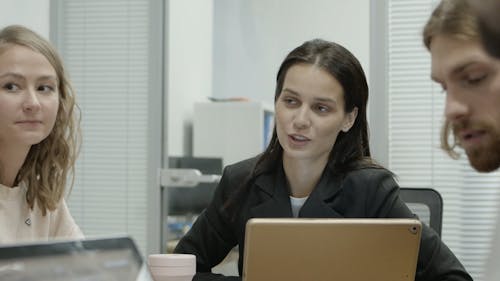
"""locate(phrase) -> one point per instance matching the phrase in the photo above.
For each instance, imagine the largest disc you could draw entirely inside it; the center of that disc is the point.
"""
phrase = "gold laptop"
(331, 249)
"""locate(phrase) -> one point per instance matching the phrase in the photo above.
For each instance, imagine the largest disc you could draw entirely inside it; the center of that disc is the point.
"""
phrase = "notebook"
(99, 259)
(331, 249)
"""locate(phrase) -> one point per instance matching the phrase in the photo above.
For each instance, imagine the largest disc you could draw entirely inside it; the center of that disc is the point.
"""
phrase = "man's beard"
(484, 158)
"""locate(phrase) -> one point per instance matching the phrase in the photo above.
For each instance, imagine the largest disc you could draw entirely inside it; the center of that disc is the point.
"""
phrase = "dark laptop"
(90, 260)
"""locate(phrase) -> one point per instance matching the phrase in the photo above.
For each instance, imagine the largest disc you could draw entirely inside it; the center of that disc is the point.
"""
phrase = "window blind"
(105, 46)
(416, 104)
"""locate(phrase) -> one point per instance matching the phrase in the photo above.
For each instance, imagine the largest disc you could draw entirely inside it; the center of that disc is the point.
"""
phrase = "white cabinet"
(233, 131)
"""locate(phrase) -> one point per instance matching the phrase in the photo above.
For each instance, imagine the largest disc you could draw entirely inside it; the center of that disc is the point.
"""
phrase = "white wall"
(189, 67)
(228, 48)
(33, 14)
(189, 61)
(252, 37)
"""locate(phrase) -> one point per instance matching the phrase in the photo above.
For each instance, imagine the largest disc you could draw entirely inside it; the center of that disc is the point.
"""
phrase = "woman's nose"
(31, 101)
(302, 118)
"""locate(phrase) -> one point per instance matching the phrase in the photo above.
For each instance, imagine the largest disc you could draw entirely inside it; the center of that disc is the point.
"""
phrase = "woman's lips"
(29, 123)
(298, 140)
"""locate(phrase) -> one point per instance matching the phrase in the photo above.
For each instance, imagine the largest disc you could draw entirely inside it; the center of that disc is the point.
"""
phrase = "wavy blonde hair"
(49, 163)
(455, 18)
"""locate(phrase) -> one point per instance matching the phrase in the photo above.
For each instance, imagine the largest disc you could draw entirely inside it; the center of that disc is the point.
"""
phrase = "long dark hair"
(351, 149)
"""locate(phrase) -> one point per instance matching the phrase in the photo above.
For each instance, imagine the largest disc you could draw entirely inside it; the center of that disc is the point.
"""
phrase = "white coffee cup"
(172, 267)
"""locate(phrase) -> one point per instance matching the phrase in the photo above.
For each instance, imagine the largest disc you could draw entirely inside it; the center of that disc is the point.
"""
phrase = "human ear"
(350, 119)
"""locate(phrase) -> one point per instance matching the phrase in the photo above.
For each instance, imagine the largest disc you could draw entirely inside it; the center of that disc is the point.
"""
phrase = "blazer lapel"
(321, 202)
(275, 202)
(275, 198)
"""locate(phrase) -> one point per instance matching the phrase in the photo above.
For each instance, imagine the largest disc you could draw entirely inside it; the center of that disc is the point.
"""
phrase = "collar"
(276, 197)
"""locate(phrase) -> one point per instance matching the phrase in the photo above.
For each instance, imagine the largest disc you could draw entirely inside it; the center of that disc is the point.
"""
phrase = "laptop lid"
(331, 249)
(98, 259)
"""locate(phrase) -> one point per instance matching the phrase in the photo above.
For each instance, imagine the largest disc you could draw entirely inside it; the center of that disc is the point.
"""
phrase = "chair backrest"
(427, 204)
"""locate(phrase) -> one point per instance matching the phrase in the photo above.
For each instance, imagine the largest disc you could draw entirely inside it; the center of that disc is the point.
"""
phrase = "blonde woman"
(39, 133)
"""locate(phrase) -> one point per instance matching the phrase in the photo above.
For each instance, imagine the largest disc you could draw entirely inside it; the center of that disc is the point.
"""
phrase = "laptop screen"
(99, 259)
(331, 249)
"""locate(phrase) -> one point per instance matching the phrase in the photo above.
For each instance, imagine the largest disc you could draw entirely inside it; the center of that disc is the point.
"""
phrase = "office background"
(139, 66)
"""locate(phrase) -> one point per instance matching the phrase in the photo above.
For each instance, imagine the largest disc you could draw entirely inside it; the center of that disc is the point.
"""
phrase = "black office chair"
(427, 204)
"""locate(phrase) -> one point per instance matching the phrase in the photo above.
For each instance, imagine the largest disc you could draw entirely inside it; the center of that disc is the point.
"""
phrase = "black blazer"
(363, 193)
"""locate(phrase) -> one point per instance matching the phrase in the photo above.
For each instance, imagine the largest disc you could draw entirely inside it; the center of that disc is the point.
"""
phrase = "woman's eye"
(290, 101)
(11, 87)
(322, 108)
(45, 88)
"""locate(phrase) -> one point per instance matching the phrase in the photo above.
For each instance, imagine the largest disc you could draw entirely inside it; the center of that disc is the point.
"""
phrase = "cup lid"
(172, 260)
(172, 270)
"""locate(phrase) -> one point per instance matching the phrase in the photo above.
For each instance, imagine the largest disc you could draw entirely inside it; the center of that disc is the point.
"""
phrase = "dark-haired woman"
(317, 165)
